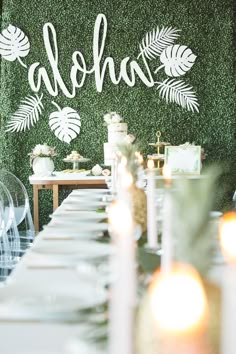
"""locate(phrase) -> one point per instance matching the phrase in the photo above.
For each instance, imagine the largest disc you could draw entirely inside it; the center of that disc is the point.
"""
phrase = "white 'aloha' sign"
(175, 59)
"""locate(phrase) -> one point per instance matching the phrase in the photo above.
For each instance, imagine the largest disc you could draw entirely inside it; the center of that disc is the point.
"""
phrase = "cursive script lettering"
(129, 69)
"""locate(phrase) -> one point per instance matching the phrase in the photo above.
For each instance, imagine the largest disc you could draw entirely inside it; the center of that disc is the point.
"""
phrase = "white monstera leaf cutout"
(177, 60)
(65, 123)
(14, 44)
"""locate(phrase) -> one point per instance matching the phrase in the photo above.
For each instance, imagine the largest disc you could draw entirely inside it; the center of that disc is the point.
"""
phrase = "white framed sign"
(183, 159)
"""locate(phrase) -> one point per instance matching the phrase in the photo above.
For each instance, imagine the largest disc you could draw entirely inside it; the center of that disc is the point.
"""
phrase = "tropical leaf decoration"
(65, 123)
(14, 44)
(177, 60)
(155, 41)
(27, 114)
(177, 91)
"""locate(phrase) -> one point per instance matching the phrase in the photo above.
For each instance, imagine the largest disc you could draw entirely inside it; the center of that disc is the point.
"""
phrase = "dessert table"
(61, 181)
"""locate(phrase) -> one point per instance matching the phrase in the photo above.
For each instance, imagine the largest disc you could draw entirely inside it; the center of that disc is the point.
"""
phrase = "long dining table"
(42, 302)
(27, 323)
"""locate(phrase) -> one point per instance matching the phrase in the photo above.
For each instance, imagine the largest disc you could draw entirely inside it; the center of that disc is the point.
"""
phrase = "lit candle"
(140, 183)
(139, 157)
(180, 312)
(124, 180)
(114, 174)
(151, 207)
(167, 242)
(123, 290)
(228, 245)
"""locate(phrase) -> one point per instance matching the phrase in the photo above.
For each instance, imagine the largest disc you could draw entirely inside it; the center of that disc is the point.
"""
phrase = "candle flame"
(126, 180)
(139, 157)
(227, 231)
(178, 301)
(150, 164)
(123, 161)
(120, 217)
(166, 172)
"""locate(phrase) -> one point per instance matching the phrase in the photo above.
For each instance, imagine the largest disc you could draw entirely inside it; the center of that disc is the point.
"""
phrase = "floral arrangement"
(129, 139)
(112, 117)
(41, 150)
(203, 154)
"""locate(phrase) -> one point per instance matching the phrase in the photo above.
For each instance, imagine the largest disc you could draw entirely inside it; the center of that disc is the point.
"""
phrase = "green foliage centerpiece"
(192, 202)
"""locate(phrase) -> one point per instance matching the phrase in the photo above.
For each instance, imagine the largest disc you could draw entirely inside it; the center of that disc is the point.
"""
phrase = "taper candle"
(123, 289)
(167, 242)
(227, 230)
(151, 207)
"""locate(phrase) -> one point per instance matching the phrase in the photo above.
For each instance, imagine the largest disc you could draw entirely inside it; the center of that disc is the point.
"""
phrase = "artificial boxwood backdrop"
(207, 27)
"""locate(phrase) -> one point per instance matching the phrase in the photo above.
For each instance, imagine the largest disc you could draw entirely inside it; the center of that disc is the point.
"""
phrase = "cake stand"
(76, 162)
(158, 145)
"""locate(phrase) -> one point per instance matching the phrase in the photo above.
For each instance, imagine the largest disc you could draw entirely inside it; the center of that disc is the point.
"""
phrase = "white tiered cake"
(117, 132)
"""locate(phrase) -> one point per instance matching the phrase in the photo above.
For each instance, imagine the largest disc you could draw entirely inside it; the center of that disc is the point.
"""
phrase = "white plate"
(77, 249)
(82, 159)
(77, 227)
(80, 216)
(15, 301)
(61, 235)
(68, 218)
(89, 191)
(86, 202)
(90, 198)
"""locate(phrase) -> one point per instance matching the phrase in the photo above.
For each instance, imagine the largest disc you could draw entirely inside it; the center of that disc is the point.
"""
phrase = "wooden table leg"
(36, 207)
(55, 196)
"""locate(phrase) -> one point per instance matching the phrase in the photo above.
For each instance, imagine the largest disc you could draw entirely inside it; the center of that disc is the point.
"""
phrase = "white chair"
(21, 205)
(9, 236)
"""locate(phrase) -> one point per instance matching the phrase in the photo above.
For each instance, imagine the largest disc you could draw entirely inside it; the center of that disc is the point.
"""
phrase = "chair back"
(20, 200)
(9, 236)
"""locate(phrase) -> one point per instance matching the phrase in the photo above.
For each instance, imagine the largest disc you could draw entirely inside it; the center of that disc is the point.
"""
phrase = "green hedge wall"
(207, 28)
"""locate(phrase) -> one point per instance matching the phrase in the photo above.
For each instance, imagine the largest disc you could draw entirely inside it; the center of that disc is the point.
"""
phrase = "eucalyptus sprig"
(128, 150)
(192, 203)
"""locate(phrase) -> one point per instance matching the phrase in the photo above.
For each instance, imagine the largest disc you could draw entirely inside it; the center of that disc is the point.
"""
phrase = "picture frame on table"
(183, 159)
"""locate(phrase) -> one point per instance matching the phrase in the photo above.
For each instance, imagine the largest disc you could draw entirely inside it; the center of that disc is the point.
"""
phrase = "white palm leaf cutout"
(155, 41)
(27, 114)
(177, 60)
(178, 92)
(65, 123)
(14, 44)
